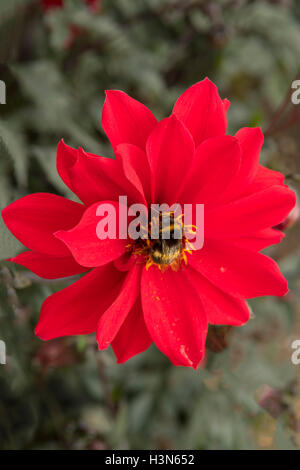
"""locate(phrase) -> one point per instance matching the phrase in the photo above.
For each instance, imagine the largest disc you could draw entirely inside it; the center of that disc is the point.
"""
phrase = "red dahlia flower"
(185, 158)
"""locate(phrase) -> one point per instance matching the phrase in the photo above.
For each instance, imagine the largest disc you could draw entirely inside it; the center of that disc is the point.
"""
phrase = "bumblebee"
(166, 251)
(165, 246)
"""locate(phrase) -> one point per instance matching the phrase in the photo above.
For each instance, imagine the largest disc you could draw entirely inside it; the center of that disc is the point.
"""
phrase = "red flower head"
(135, 292)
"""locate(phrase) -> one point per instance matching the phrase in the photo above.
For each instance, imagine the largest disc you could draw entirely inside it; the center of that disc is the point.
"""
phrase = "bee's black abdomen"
(166, 251)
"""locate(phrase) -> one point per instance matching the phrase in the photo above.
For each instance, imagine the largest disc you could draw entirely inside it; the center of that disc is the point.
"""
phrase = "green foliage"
(65, 394)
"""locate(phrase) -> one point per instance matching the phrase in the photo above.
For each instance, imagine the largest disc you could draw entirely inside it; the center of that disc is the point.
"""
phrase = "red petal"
(33, 219)
(125, 262)
(84, 244)
(112, 320)
(76, 309)
(226, 104)
(96, 178)
(259, 240)
(48, 267)
(125, 120)
(214, 167)
(136, 169)
(170, 150)
(251, 140)
(239, 272)
(201, 110)
(250, 214)
(264, 178)
(133, 337)
(220, 308)
(91, 177)
(174, 316)
(66, 157)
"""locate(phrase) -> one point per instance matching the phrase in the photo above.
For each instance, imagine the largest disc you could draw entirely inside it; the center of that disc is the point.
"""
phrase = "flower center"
(163, 243)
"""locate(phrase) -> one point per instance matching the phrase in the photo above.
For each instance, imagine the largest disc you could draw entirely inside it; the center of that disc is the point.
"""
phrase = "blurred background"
(57, 58)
